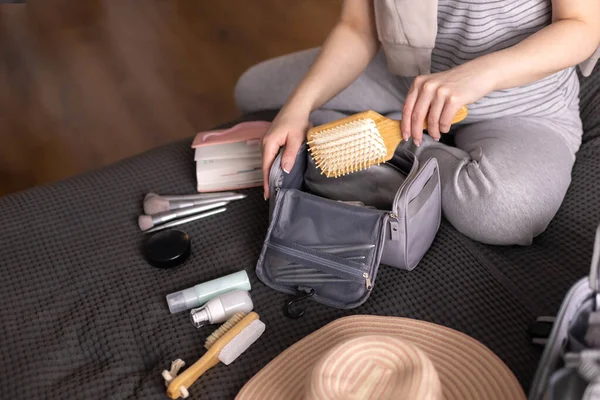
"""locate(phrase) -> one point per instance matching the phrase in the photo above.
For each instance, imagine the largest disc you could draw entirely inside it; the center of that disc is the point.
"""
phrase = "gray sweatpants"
(503, 180)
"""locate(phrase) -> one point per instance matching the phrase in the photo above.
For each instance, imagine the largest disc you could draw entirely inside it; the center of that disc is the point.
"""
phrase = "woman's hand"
(574, 34)
(287, 130)
(436, 99)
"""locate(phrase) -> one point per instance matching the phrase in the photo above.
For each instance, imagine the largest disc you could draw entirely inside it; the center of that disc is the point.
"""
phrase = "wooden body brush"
(356, 142)
(225, 345)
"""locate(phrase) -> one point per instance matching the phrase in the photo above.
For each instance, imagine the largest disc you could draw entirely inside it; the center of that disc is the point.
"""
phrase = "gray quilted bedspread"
(84, 316)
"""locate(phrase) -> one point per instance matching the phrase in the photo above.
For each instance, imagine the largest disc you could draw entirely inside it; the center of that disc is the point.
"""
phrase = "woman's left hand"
(436, 98)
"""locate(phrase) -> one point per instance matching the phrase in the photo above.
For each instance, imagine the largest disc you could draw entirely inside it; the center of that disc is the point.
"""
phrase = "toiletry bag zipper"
(276, 173)
(394, 220)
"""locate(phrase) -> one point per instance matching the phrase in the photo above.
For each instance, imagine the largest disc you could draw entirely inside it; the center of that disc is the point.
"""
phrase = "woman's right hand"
(287, 130)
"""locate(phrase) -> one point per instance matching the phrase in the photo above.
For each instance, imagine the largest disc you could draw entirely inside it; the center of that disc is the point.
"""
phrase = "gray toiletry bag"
(328, 236)
(569, 368)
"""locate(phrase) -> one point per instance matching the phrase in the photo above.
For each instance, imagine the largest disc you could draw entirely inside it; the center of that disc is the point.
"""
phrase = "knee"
(507, 215)
(246, 88)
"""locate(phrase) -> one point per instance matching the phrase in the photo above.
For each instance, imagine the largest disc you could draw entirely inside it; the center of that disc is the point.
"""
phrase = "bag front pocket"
(339, 275)
(322, 245)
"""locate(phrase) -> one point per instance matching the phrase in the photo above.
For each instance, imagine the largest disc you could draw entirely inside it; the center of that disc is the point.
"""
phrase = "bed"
(84, 315)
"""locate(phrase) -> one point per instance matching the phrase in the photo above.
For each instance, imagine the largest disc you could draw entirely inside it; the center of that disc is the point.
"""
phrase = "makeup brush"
(146, 222)
(356, 142)
(181, 221)
(188, 196)
(158, 204)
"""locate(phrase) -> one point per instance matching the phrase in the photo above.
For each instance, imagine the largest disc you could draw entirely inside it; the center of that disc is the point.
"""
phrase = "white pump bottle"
(221, 308)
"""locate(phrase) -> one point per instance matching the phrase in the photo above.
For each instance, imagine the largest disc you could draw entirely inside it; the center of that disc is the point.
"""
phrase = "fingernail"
(265, 196)
(285, 168)
(404, 135)
(437, 139)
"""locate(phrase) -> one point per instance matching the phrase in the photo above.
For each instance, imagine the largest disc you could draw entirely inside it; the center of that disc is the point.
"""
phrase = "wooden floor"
(86, 83)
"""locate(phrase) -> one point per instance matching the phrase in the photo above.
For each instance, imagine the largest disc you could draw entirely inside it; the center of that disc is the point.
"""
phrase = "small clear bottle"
(221, 308)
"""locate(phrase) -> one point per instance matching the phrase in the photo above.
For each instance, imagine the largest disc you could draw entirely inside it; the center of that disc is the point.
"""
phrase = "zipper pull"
(394, 227)
(368, 280)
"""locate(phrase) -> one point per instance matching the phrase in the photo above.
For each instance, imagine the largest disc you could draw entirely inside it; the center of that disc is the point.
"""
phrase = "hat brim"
(466, 368)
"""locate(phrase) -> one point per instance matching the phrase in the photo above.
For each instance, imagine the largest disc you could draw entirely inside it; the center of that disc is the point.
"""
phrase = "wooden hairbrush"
(357, 142)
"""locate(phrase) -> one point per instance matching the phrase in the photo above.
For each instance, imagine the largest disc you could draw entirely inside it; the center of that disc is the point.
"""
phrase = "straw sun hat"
(381, 358)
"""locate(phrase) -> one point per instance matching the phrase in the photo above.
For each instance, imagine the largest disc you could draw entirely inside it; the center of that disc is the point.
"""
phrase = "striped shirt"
(468, 29)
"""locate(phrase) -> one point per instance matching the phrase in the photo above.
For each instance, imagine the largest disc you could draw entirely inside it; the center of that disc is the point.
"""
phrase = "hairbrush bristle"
(347, 148)
(227, 325)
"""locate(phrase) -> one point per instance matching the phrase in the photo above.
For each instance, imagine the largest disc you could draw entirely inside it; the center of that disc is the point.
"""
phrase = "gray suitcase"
(569, 368)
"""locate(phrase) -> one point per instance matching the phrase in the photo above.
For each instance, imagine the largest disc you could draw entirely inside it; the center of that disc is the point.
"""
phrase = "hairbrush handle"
(458, 117)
